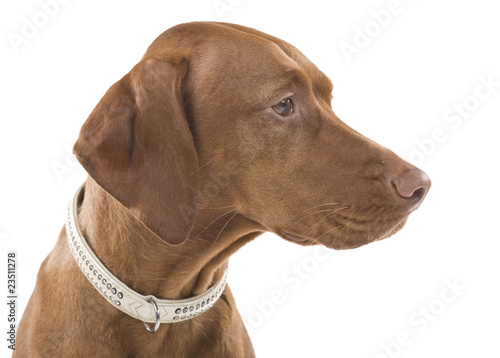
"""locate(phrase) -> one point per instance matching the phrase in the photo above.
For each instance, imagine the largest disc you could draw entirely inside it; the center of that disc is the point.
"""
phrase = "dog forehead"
(244, 55)
(265, 50)
(197, 40)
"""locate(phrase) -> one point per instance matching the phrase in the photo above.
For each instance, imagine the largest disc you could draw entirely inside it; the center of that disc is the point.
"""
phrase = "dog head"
(212, 98)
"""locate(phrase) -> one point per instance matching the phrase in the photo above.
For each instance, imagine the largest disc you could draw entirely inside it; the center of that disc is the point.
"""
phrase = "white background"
(426, 60)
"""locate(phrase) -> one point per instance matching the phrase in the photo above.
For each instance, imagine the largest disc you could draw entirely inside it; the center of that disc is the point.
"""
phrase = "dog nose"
(412, 185)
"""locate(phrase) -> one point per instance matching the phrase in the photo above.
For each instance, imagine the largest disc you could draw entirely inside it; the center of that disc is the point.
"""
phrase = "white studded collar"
(148, 309)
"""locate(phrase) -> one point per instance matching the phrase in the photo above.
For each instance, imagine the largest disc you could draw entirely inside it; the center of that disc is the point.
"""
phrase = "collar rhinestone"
(148, 309)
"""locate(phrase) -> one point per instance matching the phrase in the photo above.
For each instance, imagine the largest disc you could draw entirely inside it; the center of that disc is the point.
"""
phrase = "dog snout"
(412, 186)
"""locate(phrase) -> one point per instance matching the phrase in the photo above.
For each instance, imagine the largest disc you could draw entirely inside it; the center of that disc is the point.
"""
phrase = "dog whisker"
(221, 230)
(221, 207)
(326, 217)
(312, 208)
(346, 236)
(317, 206)
(298, 221)
(204, 165)
(345, 227)
(206, 227)
(325, 233)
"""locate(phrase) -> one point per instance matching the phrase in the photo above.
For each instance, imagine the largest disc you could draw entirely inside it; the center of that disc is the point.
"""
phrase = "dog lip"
(293, 237)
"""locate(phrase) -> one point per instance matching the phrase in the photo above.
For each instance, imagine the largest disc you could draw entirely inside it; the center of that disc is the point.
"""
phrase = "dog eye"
(284, 108)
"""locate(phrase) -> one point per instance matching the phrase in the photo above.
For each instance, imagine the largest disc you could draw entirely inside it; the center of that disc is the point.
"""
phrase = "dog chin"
(357, 239)
(350, 240)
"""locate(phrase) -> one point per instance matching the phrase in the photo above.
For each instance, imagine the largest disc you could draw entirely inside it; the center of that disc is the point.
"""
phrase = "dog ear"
(137, 145)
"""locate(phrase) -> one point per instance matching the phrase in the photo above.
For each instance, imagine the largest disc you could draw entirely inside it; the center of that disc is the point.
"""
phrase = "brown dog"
(218, 134)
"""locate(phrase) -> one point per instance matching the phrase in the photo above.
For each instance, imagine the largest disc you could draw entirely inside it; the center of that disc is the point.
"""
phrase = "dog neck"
(149, 265)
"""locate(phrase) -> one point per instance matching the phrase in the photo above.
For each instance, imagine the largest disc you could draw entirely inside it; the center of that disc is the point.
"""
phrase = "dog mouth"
(302, 240)
(346, 233)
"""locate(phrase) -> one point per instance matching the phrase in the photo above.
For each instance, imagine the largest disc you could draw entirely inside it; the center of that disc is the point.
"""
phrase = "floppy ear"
(137, 145)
